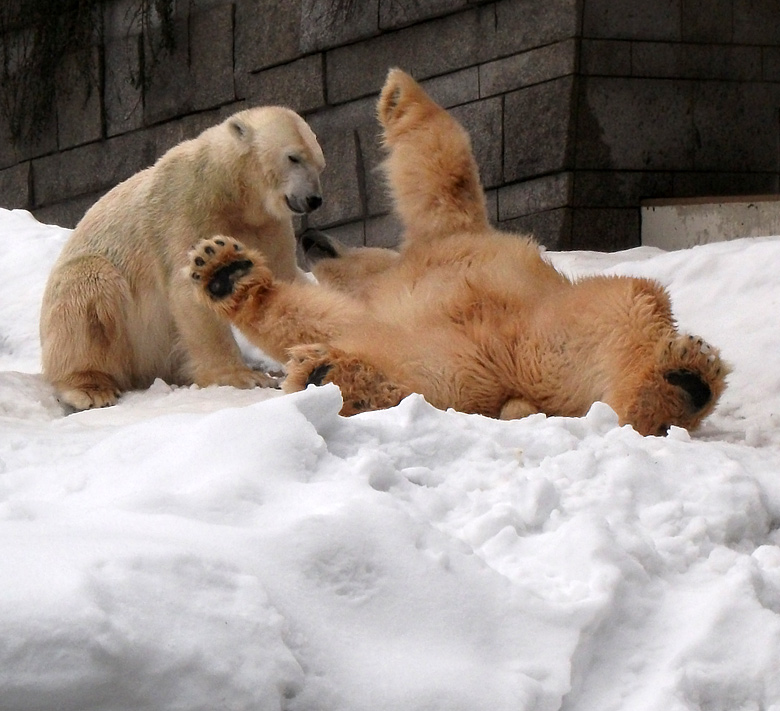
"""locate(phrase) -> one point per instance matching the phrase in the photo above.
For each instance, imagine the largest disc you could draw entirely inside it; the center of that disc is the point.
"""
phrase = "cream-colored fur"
(119, 310)
(472, 318)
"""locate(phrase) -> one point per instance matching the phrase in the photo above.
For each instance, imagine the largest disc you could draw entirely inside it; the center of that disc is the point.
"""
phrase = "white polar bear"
(119, 309)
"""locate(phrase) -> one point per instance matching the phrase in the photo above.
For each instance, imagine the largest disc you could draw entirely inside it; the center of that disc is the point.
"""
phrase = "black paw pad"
(693, 384)
(223, 279)
(317, 376)
(316, 245)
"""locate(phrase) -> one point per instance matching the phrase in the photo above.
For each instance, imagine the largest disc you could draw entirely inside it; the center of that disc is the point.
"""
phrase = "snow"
(223, 549)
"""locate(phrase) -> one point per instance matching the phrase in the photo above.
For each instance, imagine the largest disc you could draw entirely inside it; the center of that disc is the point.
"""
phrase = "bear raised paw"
(472, 318)
(220, 264)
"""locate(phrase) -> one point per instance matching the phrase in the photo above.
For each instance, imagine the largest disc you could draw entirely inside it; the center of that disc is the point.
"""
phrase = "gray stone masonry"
(577, 109)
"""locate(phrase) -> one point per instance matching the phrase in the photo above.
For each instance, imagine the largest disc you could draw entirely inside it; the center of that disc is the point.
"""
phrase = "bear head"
(281, 160)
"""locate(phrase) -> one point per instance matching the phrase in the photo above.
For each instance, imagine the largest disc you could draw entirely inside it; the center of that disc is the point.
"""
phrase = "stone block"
(455, 88)
(635, 124)
(770, 57)
(707, 20)
(735, 126)
(12, 152)
(606, 229)
(378, 201)
(267, 33)
(524, 24)
(79, 110)
(92, 168)
(618, 19)
(756, 22)
(680, 223)
(398, 13)
(383, 231)
(15, 187)
(329, 23)
(482, 119)
(123, 94)
(605, 57)
(538, 129)
(66, 213)
(343, 199)
(211, 57)
(167, 79)
(528, 68)
(424, 50)
(298, 85)
(353, 114)
(696, 61)
(198, 73)
(551, 228)
(701, 184)
(121, 19)
(532, 196)
(613, 188)
(359, 118)
(491, 203)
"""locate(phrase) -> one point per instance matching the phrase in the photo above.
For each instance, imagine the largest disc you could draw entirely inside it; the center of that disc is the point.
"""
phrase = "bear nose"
(313, 202)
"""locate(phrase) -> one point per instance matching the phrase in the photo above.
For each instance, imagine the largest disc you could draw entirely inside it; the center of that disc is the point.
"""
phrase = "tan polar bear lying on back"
(118, 310)
(472, 318)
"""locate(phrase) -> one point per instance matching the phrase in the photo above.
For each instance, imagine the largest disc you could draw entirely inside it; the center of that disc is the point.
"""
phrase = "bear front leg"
(236, 284)
(213, 357)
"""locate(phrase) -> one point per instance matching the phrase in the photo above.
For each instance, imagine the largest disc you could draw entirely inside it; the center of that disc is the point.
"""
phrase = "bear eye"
(294, 159)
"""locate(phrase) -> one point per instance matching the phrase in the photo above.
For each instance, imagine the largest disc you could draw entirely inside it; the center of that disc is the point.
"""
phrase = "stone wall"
(578, 109)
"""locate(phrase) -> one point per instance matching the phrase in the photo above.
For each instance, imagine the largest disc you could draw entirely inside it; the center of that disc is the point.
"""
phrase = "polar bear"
(470, 317)
(118, 310)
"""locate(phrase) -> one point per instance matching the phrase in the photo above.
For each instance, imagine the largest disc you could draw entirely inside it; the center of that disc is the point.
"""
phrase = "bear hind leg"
(363, 387)
(86, 350)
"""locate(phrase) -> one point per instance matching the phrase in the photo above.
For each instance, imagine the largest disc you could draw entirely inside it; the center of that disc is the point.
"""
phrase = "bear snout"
(301, 205)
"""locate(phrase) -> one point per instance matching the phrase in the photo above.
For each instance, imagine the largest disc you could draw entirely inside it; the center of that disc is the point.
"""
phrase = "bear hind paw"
(363, 387)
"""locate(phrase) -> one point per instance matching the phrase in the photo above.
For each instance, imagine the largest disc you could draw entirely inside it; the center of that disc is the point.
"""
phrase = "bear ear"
(239, 129)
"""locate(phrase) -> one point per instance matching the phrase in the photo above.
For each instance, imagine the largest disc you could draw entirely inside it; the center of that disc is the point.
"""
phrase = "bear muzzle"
(302, 205)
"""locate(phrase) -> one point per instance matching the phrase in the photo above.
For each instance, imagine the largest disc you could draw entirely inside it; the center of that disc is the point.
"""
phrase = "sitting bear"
(118, 310)
(470, 317)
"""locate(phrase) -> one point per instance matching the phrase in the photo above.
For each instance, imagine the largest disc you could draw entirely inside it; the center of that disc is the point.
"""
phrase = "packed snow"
(202, 549)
